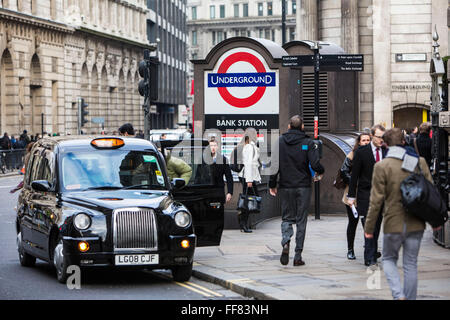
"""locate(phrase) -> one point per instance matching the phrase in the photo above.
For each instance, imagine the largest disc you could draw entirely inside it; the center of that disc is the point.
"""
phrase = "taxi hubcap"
(58, 257)
(19, 244)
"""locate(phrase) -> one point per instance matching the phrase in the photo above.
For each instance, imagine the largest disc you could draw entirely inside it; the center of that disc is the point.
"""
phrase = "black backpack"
(235, 164)
(422, 199)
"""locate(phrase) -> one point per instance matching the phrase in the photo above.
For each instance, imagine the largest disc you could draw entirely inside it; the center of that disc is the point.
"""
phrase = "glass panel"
(111, 169)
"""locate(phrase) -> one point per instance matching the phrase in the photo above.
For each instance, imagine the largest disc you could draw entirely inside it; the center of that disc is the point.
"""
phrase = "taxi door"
(204, 200)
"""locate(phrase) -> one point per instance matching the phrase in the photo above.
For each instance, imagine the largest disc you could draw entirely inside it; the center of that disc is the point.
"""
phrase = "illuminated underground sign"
(266, 79)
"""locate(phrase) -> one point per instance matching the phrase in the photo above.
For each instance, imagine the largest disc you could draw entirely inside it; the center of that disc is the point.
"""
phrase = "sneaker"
(284, 259)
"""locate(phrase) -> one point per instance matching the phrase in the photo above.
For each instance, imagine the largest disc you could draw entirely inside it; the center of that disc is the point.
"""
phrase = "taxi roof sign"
(107, 143)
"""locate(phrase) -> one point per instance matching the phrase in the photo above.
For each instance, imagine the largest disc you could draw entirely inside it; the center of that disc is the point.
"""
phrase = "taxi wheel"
(25, 259)
(182, 273)
(60, 263)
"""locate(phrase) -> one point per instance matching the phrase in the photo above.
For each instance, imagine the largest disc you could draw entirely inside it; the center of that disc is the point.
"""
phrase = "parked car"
(108, 202)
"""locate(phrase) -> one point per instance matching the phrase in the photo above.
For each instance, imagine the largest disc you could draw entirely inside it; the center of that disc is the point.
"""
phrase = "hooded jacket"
(297, 152)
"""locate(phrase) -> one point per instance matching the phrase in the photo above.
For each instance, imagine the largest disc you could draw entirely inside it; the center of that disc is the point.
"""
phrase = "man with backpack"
(401, 229)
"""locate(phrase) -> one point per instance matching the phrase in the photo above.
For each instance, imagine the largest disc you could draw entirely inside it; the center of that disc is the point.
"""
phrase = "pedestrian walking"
(345, 171)
(297, 152)
(24, 139)
(249, 176)
(423, 143)
(220, 169)
(360, 184)
(5, 142)
(400, 228)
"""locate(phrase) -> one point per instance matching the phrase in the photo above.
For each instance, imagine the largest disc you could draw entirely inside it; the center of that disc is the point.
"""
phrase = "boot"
(244, 222)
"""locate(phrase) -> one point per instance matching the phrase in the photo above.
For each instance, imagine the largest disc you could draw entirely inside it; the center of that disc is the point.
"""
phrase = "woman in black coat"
(346, 173)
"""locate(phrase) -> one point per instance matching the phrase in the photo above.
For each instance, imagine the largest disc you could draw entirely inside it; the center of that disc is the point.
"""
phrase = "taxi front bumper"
(174, 255)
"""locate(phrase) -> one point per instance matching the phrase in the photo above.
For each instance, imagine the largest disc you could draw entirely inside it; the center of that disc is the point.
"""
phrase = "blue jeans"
(294, 210)
(391, 247)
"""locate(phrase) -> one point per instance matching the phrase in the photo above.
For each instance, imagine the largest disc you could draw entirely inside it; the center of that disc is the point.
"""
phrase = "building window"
(222, 11)
(212, 12)
(214, 37)
(269, 8)
(219, 36)
(236, 10)
(273, 35)
(291, 34)
(245, 10)
(194, 38)
(261, 33)
(194, 56)
(194, 13)
(294, 6)
(260, 9)
(248, 33)
(267, 34)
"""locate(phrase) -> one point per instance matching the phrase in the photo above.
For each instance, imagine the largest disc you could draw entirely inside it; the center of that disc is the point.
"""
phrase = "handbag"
(339, 182)
(249, 203)
(422, 199)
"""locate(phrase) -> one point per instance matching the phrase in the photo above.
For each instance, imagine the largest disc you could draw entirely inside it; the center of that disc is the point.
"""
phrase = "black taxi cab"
(109, 202)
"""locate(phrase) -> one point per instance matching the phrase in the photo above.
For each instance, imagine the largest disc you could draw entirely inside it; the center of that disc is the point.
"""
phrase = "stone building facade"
(54, 51)
(395, 37)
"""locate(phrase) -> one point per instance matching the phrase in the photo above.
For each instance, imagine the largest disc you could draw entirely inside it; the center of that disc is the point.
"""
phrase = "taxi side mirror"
(178, 183)
(41, 185)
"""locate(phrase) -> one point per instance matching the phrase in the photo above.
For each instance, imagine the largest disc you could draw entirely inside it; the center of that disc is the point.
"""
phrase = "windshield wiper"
(148, 186)
(104, 188)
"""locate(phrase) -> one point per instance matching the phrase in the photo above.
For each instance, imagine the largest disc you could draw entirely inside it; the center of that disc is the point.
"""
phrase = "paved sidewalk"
(249, 264)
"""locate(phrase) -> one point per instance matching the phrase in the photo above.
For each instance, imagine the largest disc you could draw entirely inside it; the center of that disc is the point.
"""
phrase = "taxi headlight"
(82, 221)
(183, 219)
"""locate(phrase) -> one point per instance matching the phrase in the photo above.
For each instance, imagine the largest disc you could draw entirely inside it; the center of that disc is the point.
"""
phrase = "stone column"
(307, 20)
(382, 63)
(349, 29)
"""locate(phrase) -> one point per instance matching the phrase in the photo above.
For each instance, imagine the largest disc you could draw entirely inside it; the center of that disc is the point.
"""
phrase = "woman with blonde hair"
(249, 176)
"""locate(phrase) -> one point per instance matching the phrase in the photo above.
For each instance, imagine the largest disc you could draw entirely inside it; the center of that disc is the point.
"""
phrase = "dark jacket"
(296, 152)
(218, 170)
(346, 169)
(362, 170)
(424, 146)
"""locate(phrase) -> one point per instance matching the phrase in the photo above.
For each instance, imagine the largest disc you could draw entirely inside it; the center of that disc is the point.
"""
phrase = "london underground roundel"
(241, 83)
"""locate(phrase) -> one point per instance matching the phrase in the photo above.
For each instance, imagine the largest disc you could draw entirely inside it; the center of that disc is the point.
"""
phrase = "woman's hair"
(358, 140)
(251, 135)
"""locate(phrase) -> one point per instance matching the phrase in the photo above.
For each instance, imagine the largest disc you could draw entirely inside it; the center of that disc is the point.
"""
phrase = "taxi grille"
(135, 228)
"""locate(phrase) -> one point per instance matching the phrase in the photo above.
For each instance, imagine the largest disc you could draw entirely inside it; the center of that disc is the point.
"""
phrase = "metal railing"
(11, 160)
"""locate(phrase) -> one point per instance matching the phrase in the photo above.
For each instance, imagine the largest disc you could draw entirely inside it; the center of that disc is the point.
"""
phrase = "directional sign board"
(298, 61)
(328, 62)
(342, 62)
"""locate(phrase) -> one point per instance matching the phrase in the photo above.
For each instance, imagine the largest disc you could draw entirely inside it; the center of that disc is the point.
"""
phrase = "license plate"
(136, 259)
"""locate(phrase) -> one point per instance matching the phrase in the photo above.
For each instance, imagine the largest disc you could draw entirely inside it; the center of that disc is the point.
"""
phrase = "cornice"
(19, 17)
(116, 38)
(239, 22)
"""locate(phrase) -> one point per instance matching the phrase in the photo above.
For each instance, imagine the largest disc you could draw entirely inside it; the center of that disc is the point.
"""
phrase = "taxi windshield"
(111, 169)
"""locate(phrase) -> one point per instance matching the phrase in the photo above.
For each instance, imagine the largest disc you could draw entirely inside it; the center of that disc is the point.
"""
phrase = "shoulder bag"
(422, 199)
(249, 203)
